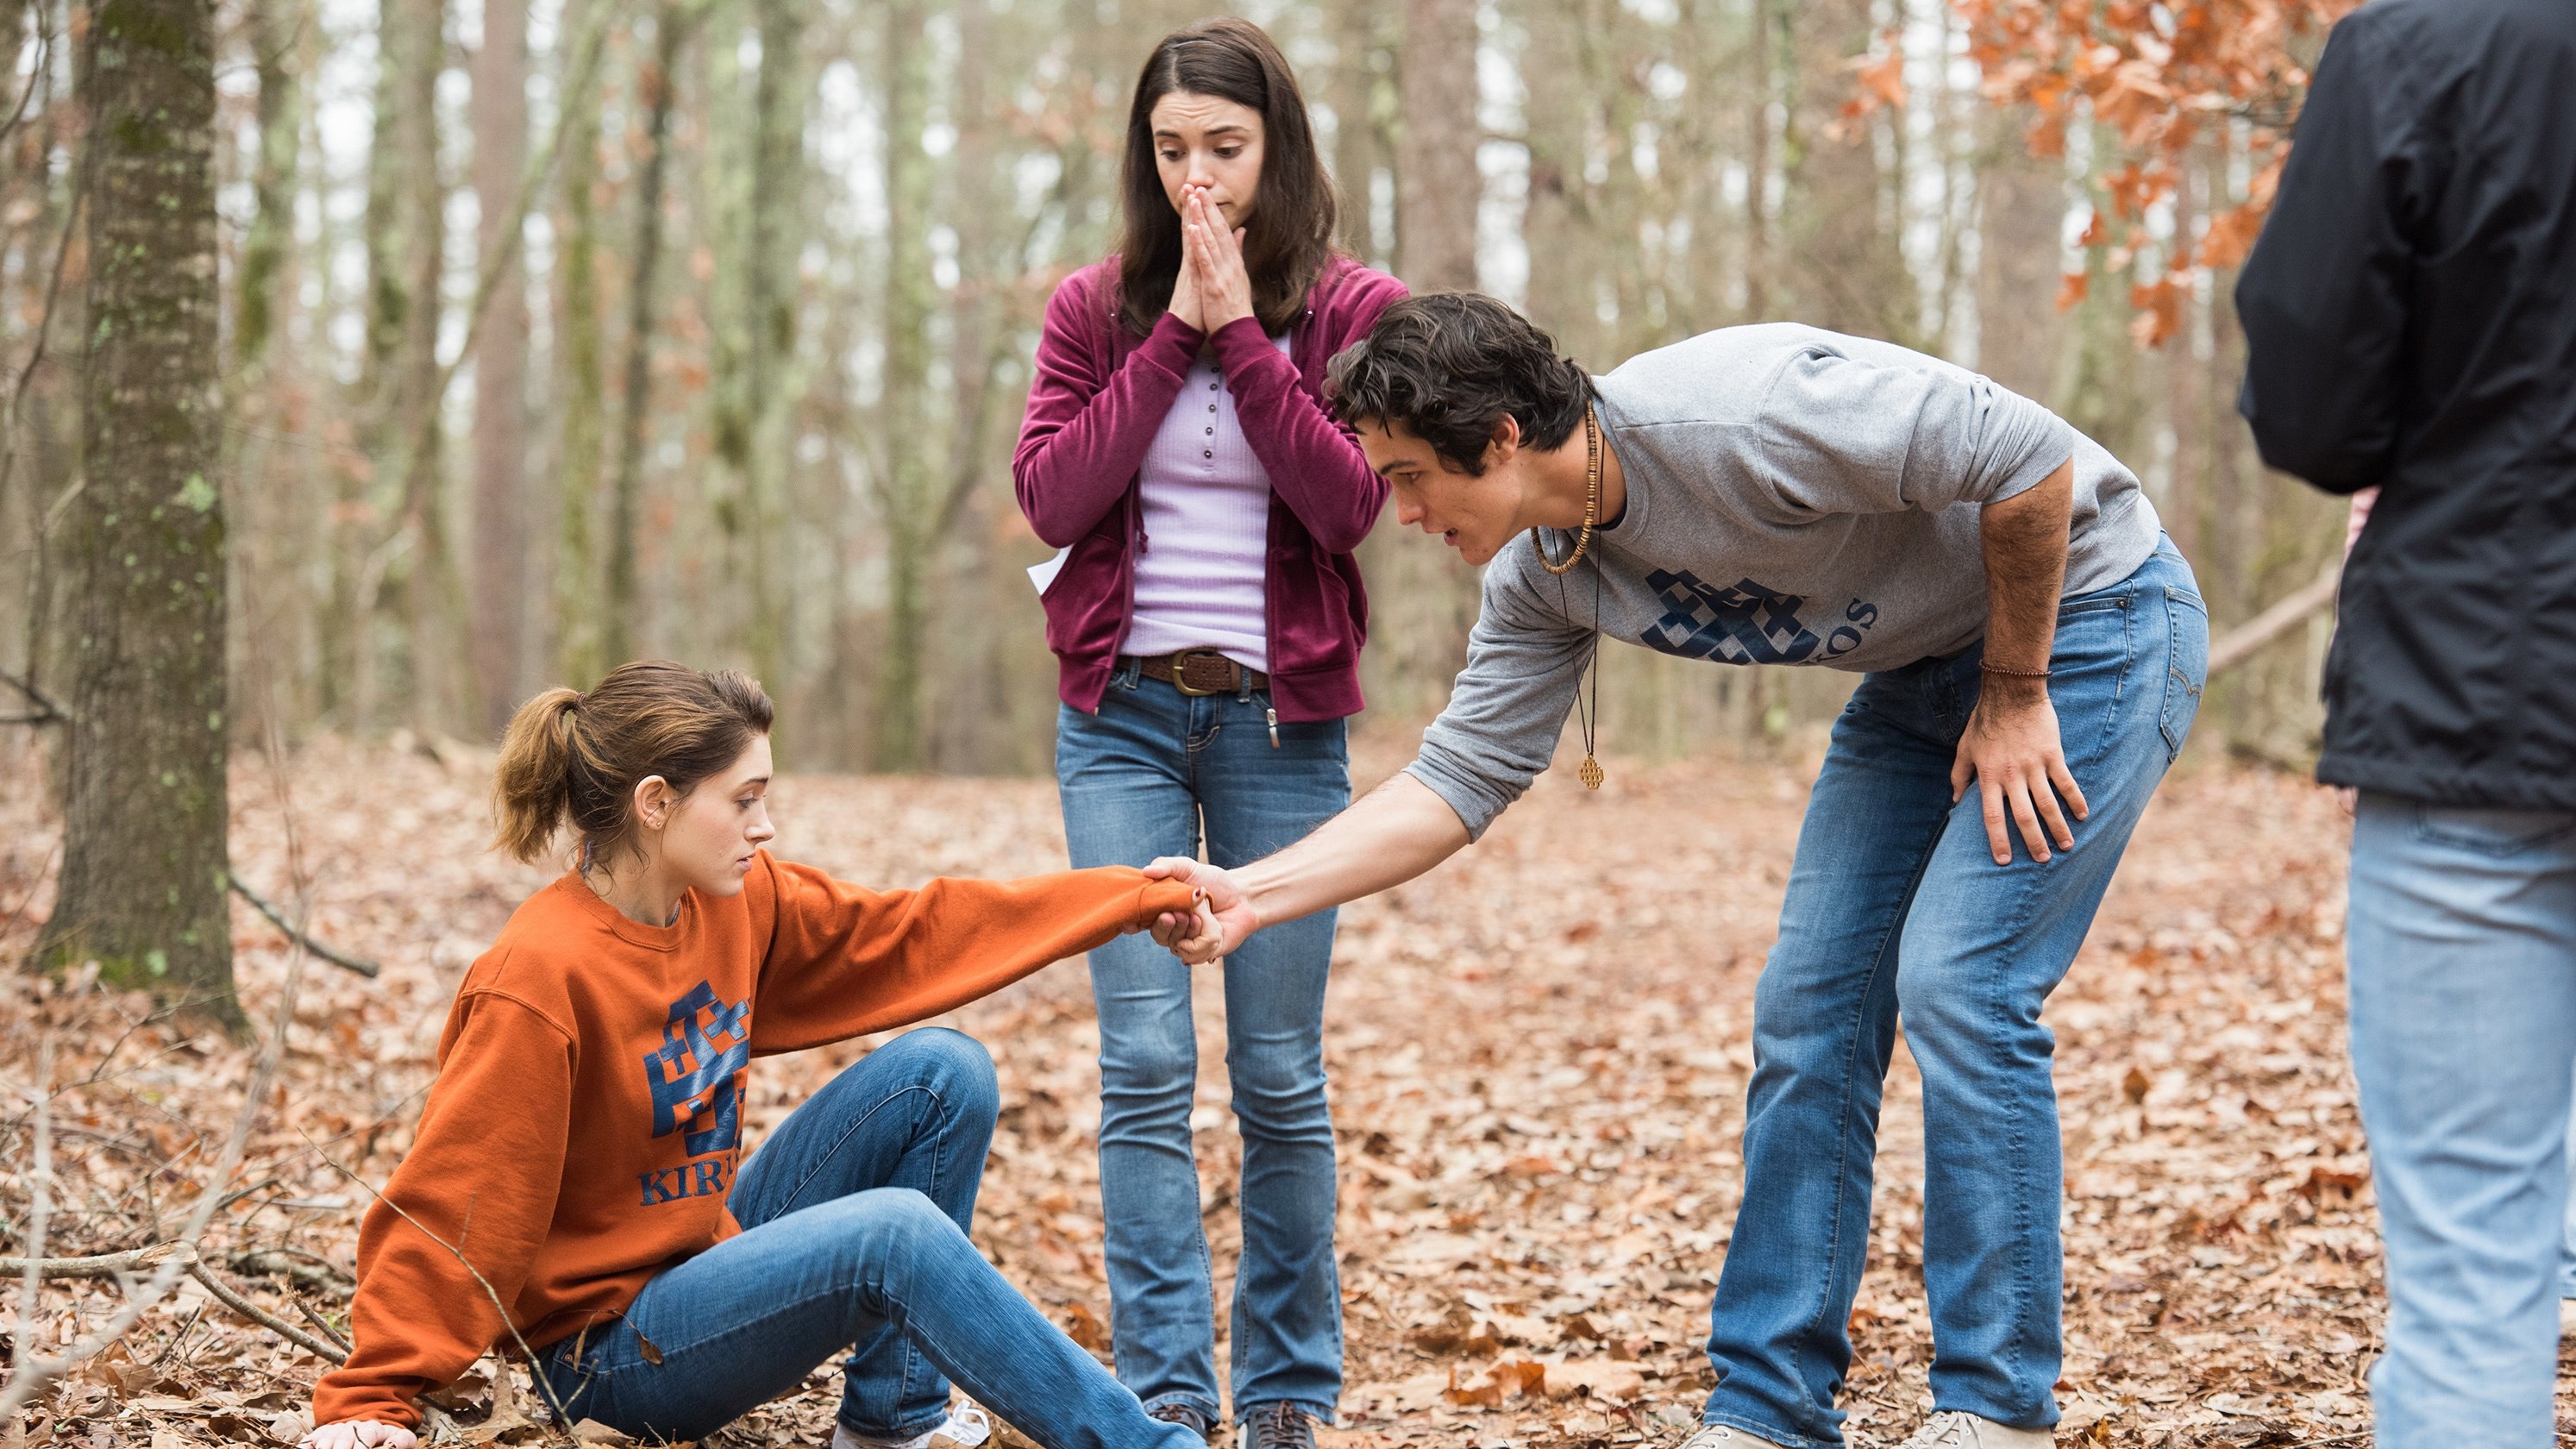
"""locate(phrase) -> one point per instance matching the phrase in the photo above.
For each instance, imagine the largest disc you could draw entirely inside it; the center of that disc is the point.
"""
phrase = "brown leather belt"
(1199, 671)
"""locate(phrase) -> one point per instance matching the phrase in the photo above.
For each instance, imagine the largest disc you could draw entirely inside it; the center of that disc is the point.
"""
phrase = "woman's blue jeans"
(1897, 910)
(1146, 777)
(854, 1217)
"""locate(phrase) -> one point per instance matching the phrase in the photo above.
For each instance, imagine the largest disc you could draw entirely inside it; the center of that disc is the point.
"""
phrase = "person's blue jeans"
(1147, 776)
(854, 1219)
(2462, 941)
(1896, 909)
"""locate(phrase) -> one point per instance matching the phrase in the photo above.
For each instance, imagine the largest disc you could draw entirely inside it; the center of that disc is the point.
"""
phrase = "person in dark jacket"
(2411, 319)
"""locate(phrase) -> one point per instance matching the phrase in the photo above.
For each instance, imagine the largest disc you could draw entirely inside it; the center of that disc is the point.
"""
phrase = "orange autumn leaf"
(2071, 289)
(2159, 308)
(2157, 77)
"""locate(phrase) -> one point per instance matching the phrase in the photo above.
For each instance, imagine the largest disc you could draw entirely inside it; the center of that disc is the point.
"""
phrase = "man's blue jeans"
(2462, 937)
(1896, 908)
(854, 1217)
(1143, 778)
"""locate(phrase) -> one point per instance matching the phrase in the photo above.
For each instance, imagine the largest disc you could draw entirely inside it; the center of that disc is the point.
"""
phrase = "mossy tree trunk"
(144, 874)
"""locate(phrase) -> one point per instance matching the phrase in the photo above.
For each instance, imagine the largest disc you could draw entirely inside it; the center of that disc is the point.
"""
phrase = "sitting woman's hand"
(358, 1434)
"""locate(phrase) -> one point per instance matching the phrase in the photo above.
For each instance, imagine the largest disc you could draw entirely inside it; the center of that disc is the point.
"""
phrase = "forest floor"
(1539, 1057)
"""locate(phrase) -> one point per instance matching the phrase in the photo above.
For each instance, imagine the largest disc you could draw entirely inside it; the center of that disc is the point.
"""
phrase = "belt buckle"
(1181, 672)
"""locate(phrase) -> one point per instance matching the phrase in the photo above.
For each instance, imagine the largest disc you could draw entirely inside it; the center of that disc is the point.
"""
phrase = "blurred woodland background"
(371, 363)
(559, 331)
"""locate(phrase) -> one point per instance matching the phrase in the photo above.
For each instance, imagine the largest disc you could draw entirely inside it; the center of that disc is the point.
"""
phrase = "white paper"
(1044, 574)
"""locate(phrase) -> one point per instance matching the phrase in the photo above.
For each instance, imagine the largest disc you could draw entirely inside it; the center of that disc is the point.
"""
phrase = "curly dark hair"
(1450, 365)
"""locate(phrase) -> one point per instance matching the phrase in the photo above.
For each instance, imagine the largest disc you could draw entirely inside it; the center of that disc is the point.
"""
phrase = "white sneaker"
(1727, 1436)
(966, 1428)
(1951, 1429)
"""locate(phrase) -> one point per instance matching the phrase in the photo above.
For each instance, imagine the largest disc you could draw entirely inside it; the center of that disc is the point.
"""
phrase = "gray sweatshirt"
(1795, 496)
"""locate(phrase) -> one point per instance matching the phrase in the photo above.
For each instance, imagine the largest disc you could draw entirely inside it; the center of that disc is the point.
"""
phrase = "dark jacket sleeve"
(2323, 297)
(1315, 464)
(1089, 423)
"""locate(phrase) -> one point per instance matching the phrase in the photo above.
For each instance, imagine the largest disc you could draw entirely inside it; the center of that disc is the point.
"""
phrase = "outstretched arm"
(1396, 832)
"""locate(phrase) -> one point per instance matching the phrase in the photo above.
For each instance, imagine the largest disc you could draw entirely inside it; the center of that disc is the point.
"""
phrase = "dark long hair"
(1290, 237)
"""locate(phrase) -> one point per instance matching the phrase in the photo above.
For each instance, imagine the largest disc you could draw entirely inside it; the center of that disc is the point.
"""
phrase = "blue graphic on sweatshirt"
(694, 1074)
(1746, 624)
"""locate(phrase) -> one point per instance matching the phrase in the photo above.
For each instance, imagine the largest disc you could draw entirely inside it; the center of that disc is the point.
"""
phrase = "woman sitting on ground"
(576, 1160)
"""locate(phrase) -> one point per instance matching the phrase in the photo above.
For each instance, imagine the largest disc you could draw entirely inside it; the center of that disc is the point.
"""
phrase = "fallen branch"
(225, 1295)
(99, 1265)
(308, 1269)
(277, 918)
(48, 708)
(2239, 644)
(321, 1325)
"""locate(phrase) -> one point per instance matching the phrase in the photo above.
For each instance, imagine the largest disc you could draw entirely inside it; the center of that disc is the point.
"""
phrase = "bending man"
(2032, 652)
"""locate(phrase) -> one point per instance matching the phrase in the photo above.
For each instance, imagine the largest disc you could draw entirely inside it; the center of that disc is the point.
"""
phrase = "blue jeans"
(1143, 778)
(1896, 909)
(2462, 937)
(854, 1221)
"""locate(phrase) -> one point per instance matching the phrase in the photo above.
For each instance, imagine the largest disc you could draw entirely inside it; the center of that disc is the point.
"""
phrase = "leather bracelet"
(1985, 668)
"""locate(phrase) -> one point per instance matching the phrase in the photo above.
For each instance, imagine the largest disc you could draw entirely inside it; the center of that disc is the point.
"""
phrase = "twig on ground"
(225, 1294)
(179, 1338)
(97, 1265)
(321, 1325)
(277, 918)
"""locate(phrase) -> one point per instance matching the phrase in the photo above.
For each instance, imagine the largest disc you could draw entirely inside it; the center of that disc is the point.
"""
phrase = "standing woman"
(1208, 617)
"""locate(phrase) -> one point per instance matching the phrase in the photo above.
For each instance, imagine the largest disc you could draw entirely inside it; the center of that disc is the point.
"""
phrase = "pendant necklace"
(1588, 712)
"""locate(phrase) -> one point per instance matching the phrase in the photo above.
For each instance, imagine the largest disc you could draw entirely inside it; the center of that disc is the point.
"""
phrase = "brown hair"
(576, 758)
(1290, 237)
(1449, 366)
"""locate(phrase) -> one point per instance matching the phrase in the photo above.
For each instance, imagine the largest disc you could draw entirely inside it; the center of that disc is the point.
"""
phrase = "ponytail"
(575, 759)
(532, 788)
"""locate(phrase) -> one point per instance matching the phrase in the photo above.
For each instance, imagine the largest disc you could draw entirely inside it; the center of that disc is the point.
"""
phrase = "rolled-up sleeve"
(1524, 662)
(1848, 435)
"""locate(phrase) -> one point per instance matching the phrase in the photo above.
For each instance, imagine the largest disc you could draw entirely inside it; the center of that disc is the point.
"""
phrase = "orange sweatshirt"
(586, 1121)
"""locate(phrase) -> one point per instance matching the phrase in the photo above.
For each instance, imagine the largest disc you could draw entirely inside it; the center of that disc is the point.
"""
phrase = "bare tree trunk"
(903, 483)
(1850, 275)
(267, 513)
(1435, 209)
(619, 631)
(432, 595)
(759, 410)
(143, 886)
(500, 602)
(1360, 97)
(1423, 599)
(1761, 57)
(2021, 208)
(581, 387)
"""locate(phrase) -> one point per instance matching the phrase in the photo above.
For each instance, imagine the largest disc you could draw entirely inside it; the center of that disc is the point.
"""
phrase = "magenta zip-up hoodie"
(1099, 396)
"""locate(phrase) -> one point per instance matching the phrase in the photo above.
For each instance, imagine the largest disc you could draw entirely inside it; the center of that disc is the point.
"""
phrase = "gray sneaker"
(1727, 1436)
(1278, 1426)
(1183, 1415)
(1953, 1429)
